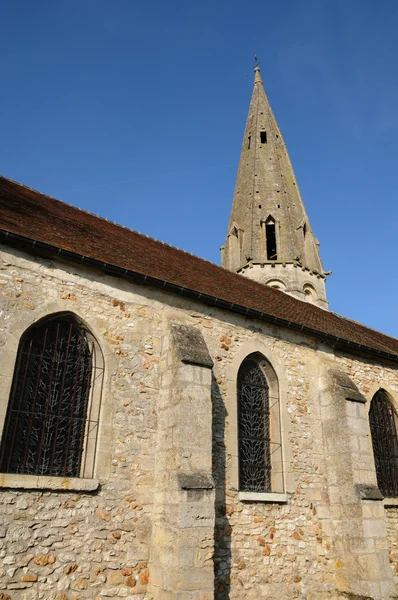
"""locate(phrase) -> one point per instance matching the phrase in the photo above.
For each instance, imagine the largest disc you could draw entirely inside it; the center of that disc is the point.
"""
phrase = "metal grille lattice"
(254, 429)
(46, 418)
(383, 427)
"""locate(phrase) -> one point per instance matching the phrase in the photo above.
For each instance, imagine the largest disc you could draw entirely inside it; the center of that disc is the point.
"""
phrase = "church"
(172, 429)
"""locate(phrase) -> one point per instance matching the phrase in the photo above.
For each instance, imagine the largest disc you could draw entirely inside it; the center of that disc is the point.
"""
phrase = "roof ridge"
(35, 216)
(257, 283)
(109, 221)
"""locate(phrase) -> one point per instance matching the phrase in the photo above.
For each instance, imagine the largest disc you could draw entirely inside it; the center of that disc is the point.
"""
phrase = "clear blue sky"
(135, 110)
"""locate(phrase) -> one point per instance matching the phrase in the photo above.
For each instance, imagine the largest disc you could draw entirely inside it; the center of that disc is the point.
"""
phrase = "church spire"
(269, 236)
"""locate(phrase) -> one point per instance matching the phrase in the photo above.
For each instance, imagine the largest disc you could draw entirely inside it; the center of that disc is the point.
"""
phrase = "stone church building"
(176, 430)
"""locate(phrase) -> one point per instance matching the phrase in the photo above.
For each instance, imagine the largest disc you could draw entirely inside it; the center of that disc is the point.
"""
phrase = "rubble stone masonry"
(163, 507)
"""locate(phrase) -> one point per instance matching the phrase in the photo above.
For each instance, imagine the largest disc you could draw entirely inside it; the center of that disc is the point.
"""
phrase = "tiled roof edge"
(179, 290)
(87, 212)
(349, 320)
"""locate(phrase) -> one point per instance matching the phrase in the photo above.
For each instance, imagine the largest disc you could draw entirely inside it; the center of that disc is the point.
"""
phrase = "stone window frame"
(277, 385)
(310, 293)
(393, 396)
(277, 282)
(263, 224)
(278, 279)
(8, 357)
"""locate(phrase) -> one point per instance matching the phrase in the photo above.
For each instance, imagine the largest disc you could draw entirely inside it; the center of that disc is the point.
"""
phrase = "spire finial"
(257, 76)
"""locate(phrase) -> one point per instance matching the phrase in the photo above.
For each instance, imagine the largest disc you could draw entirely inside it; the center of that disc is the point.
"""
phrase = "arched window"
(51, 424)
(259, 436)
(276, 283)
(309, 292)
(270, 238)
(383, 427)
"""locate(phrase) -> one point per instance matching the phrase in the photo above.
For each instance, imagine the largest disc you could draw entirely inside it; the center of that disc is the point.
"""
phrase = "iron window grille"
(51, 425)
(383, 427)
(254, 441)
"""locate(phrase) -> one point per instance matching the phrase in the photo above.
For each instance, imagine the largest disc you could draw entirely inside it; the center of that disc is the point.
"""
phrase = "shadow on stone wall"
(222, 528)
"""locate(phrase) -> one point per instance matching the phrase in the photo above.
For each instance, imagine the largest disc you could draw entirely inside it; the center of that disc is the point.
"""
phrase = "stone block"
(196, 580)
(374, 528)
(196, 514)
(189, 345)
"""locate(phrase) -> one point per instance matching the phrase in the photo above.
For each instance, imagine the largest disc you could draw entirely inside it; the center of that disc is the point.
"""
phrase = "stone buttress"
(181, 555)
(357, 517)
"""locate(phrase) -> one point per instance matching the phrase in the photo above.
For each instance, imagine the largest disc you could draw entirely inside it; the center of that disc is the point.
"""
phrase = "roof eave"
(13, 239)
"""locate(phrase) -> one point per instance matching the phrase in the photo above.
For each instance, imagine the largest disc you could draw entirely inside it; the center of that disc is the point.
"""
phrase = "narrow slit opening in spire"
(263, 137)
(270, 236)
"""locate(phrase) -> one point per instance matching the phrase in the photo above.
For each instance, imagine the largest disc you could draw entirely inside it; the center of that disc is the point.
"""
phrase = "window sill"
(390, 502)
(272, 497)
(42, 482)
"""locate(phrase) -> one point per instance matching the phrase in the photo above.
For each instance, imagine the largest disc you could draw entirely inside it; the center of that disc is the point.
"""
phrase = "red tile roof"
(33, 215)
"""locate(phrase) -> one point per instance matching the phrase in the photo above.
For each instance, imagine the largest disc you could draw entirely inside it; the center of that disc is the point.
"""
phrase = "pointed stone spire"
(269, 235)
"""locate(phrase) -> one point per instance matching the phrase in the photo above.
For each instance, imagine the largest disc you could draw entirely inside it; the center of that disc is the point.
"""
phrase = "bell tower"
(269, 235)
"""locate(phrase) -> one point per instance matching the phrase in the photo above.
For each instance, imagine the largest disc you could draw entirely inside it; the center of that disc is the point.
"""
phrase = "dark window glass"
(383, 427)
(253, 428)
(45, 422)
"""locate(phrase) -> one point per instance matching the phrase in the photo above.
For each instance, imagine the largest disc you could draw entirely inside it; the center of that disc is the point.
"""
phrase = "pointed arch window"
(52, 419)
(259, 436)
(383, 426)
(270, 239)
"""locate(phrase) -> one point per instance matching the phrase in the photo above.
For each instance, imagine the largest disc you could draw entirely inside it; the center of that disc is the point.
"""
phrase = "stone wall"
(70, 544)
(61, 544)
(278, 550)
(181, 564)
(301, 283)
(392, 529)
(370, 376)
